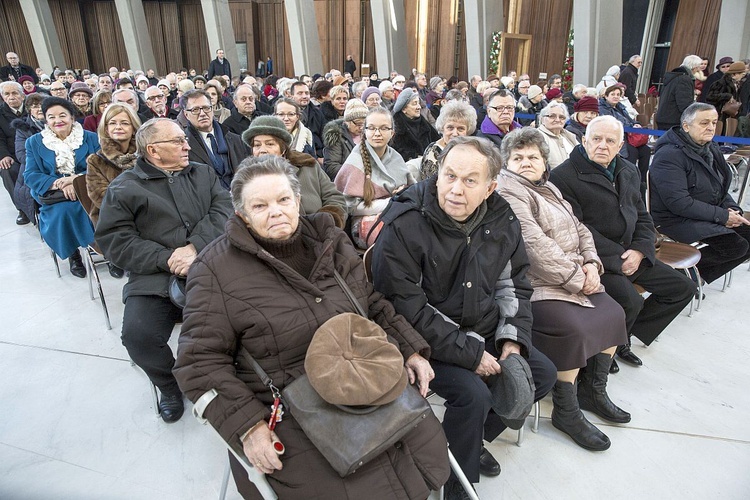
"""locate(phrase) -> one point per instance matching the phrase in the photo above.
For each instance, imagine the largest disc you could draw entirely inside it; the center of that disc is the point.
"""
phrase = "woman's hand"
(258, 448)
(69, 192)
(419, 369)
(63, 182)
(591, 283)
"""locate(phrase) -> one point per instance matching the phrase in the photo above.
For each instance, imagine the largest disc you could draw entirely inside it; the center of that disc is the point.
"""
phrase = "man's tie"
(214, 145)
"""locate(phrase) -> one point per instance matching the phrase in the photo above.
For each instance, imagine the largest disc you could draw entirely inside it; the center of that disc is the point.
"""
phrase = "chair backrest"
(731, 127)
(647, 196)
(367, 258)
(82, 193)
(719, 127)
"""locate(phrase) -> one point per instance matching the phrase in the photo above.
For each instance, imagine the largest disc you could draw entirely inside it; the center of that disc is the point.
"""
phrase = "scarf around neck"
(65, 150)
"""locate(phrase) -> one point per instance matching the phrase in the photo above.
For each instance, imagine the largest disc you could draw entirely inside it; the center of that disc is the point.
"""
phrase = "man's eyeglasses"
(177, 141)
(196, 111)
(555, 117)
(156, 98)
(500, 109)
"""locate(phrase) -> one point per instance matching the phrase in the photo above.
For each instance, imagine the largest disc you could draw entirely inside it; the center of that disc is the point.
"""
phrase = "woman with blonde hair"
(335, 106)
(215, 90)
(371, 174)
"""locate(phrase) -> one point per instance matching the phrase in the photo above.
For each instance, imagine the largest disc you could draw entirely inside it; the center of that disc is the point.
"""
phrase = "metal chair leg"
(225, 480)
(57, 264)
(520, 437)
(155, 397)
(537, 412)
(94, 276)
(462, 477)
(700, 289)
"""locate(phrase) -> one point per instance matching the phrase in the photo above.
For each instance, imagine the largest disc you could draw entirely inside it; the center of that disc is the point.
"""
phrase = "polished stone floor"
(79, 423)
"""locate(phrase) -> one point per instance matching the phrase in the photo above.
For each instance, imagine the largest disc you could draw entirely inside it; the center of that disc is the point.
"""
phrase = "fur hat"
(586, 103)
(512, 391)
(368, 92)
(266, 125)
(534, 91)
(736, 67)
(80, 87)
(723, 61)
(58, 101)
(351, 362)
(404, 97)
(553, 94)
(355, 110)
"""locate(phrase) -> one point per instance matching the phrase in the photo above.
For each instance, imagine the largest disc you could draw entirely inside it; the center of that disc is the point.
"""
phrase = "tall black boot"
(627, 355)
(567, 416)
(592, 390)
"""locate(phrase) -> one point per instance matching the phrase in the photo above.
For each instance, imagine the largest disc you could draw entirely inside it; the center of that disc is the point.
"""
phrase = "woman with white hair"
(609, 79)
(552, 126)
(677, 93)
(457, 118)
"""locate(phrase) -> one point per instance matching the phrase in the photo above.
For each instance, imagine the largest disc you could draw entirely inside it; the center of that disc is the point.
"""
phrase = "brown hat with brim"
(351, 362)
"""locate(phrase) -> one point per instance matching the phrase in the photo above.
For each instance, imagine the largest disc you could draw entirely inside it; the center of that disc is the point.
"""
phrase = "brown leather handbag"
(731, 108)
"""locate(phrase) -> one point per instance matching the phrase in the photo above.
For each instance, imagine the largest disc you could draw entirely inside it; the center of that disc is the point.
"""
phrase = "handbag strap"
(349, 294)
(256, 366)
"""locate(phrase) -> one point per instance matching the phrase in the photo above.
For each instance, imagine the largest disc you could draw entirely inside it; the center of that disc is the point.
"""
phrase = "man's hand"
(181, 259)
(6, 163)
(735, 219)
(259, 450)
(631, 261)
(510, 348)
(488, 365)
(419, 369)
(591, 284)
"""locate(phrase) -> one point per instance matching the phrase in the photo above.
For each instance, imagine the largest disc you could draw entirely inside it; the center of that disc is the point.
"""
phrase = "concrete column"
(598, 38)
(389, 30)
(650, 34)
(43, 34)
(482, 18)
(135, 33)
(220, 32)
(303, 37)
(734, 30)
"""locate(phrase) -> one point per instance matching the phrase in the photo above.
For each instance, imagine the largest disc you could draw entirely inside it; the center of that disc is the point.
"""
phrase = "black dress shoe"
(77, 268)
(22, 220)
(628, 356)
(171, 407)
(614, 367)
(453, 490)
(115, 271)
(488, 466)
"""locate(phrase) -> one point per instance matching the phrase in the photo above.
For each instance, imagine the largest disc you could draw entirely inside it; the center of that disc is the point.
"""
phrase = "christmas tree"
(567, 74)
(494, 53)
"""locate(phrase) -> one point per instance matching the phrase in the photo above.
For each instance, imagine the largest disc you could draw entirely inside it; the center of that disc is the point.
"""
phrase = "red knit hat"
(586, 103)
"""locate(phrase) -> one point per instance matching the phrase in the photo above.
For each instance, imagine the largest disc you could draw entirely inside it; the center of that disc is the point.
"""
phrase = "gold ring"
(258, 463)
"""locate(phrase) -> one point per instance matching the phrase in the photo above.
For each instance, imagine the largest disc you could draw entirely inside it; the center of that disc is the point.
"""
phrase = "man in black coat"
(312, 117)
(604, 191)
(219, 66)
(677, 93)
(349, 65)
(156, 106)
(155, 219)
(244, 111)
(15, 70)
(690, 198)
(451, 259)
(11, 109)
(208, 142)
(629, 78)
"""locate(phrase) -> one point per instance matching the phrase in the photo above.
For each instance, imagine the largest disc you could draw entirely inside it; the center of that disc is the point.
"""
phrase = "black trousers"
(147, 324)
(724, 252)
(468, 406)
(10, 176)
(670, 290)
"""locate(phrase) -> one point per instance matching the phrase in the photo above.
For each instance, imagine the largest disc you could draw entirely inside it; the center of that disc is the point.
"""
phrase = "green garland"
(494, 52)
(567, 74)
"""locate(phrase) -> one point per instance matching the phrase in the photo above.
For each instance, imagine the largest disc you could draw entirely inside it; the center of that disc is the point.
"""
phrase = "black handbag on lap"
(52, 197)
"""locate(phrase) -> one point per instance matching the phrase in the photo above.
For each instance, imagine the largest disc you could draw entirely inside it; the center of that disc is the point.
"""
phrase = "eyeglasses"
(156, 98)
(500, 109)
(358, 123)
(725, 65)
(104, 104)
(196, 111)
(286, 115)
(177, 141)
(58, 89)
(382, 130)
(555, 117)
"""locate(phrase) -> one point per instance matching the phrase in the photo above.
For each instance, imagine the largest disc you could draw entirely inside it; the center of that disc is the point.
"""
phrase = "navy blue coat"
(689, 199)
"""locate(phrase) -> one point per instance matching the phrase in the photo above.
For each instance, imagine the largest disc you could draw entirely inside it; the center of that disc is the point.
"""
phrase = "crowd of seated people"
(505, 219)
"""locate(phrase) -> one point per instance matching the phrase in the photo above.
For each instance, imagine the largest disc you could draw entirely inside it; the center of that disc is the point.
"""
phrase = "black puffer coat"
(689, 198)
(677, 94)
(338, 145)
(457, 291)
(412, 136)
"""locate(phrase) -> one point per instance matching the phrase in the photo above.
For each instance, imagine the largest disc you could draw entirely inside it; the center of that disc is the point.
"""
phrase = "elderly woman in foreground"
(576, 324)
(456, 119)
(267, 285)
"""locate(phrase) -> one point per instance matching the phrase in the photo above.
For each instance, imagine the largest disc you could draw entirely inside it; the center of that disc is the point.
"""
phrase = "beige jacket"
(560, 146)
(557, 244)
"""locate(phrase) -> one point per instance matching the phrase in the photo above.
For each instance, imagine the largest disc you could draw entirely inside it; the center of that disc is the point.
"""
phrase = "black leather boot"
(614, 368)
(592, 390)
(567, 416)
(77, 268)
(627, 355)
